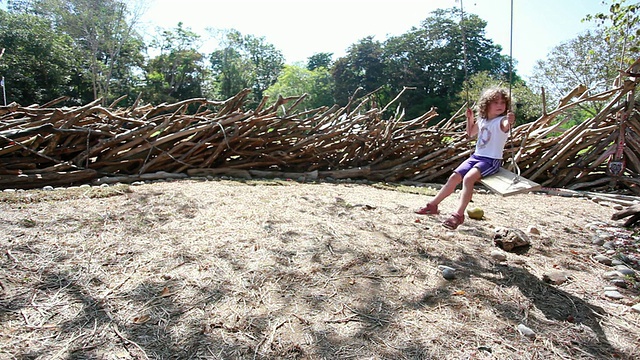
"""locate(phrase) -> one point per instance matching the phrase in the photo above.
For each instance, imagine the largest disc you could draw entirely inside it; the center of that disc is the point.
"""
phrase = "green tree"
(361, 68)
(104, 38)
(320, 60)
(245, 62)
(295, 80)
(587, 59)
(431, 59)
(621, 25)
(36, 63)
(178, 72)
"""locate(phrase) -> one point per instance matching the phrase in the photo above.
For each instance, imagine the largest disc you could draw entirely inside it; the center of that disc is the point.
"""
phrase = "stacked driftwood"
(48, 145)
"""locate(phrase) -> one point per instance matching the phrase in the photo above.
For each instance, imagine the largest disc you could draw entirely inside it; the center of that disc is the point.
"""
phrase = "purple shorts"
(487, 166)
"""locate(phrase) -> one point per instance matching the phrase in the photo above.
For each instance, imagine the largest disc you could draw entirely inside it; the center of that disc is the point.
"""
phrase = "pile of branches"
(48, 145)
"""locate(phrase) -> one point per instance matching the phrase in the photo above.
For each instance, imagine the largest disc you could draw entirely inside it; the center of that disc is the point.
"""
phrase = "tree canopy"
(88, 50)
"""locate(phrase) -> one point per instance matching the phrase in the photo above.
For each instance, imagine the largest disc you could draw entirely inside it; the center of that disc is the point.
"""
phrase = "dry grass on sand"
(281, 270)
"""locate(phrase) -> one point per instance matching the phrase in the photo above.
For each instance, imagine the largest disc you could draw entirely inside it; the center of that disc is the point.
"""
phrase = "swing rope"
(513, 160)
(516, 179)
(464, 52)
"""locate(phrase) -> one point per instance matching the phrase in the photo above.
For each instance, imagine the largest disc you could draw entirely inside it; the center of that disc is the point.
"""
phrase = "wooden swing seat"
(504, 183)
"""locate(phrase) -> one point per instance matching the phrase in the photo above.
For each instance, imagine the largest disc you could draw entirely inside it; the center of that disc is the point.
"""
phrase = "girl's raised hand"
(511, 117)
(469, 114)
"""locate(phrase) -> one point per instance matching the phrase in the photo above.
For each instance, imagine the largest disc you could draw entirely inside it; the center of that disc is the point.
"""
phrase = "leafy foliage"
(103, 36)
(295, 80)
(36, 63)
(431, 59)
(245, 62)
(88, 49)
(362, 69)
(178, 71)
(588, 59)
(105, 46)
(625, 25)
(320, 60)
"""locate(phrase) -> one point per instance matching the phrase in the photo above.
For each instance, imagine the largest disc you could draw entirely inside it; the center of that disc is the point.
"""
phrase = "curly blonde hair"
(488, 96)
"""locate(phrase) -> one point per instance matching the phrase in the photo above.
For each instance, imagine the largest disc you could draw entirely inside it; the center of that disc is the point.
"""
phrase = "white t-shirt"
(491, 138)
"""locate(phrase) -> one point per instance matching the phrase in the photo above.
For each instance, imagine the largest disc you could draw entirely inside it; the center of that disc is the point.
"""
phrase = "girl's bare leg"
(468, 182)
(448, 188)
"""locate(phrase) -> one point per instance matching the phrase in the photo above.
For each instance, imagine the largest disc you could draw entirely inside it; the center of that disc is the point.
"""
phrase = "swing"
(504, 182)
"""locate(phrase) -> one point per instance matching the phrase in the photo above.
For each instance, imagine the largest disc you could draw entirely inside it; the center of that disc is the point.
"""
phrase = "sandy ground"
(281, 270)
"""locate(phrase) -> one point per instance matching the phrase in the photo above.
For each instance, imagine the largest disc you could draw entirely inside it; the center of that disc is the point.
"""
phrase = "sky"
(301, 28)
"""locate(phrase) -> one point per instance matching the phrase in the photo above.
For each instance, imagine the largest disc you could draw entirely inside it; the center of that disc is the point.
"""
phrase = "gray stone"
(636, 308)
(596, 225)
(603, 259)
(625, 271)
(613, 294)
(619, 283)
(555, 277)
(509, 239)
(525, 331)
(597, 240)
(448, 273)
(616, 262)
(609, 275)
(498, 255)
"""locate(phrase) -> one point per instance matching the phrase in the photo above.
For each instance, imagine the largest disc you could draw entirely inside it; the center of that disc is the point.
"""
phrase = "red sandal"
(453, 221)
(428, 210)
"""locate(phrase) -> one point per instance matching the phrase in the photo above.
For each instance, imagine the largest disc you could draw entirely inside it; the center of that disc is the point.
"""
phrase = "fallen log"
(633, 212)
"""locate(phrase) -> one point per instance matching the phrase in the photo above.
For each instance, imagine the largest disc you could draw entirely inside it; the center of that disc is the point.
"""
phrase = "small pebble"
(610, 275)
(636, 308)
(596, 225)
(525, 331)
(448, 273)
(619, 283)
(617, 262)
(498, 255)
(603, 259)
(613, 294)
(556, 277)
(625, 271)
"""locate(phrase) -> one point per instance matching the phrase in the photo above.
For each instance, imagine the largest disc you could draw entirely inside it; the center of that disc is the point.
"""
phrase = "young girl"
(492, 129)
